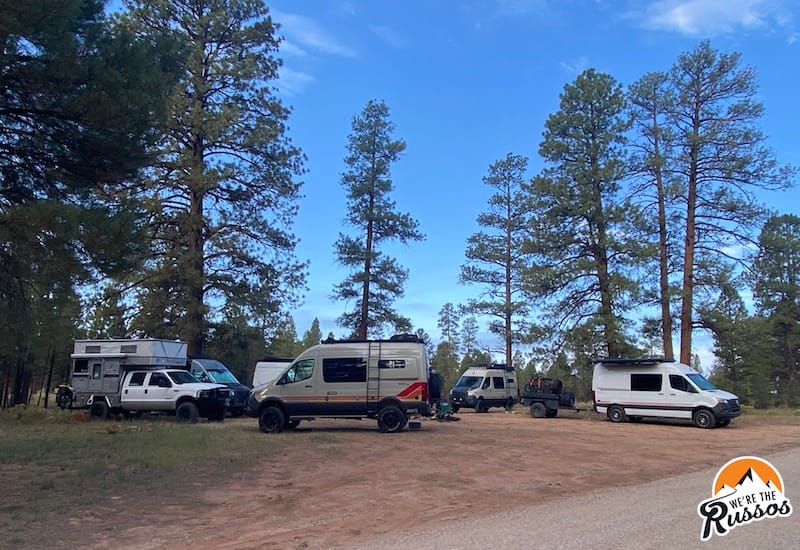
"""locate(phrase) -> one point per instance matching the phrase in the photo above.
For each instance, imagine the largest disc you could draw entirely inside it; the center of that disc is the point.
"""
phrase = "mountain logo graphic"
(746, 489)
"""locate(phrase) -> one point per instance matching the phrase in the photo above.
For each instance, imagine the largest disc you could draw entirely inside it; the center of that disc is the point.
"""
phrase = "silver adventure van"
(386, 380)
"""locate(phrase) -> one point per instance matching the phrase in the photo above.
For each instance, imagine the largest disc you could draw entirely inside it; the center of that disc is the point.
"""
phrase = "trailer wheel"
(99, 410)
(538, 410)
(187, 412)
(271, 420)
(616, 413)
(391, 419)
(704, 419)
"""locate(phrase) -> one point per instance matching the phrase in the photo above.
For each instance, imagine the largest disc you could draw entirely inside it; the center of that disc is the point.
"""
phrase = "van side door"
(681, 396)
(297, 388)
(344, 385)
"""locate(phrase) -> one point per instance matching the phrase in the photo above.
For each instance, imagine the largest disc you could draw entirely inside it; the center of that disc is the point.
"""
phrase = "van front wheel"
(271, 420)
(391, 419)
(704, 419)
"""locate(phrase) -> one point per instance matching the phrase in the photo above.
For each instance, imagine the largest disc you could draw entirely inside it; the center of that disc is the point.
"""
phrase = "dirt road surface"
(341, 484)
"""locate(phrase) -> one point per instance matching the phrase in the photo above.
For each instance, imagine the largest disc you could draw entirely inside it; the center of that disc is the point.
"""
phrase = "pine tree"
(376, 279)
(497, 257)
(223, 197)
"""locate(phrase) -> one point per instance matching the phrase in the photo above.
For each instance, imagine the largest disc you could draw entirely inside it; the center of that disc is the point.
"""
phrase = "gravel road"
(656, 515)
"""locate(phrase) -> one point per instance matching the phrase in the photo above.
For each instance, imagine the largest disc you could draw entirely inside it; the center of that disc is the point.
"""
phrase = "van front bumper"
(727, 409)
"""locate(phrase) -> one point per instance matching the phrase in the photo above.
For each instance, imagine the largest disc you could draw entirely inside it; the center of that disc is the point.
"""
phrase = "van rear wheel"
(391, 419)
(616, 413)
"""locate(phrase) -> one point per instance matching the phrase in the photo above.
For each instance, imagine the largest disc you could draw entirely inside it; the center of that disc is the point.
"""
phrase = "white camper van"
(630, 389)
(484, 386)
(268, 369)
(382, 379)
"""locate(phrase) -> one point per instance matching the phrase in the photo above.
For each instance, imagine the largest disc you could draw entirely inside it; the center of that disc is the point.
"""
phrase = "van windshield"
(701, 382)
(222, 376)
(469, 382)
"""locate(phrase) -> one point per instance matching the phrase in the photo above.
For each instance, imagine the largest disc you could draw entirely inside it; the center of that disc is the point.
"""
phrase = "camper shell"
(482, 387)
(632, 389)
(386, 380)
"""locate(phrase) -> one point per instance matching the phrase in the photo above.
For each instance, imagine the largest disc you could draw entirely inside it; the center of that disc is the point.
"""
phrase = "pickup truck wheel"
(616, 413)
(271, 420)
(391, 419)
(187, 412)
(538, 410)
(704, 419)
(99, 410)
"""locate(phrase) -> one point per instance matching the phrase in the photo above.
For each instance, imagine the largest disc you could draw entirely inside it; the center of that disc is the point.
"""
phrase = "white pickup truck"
(133, 376)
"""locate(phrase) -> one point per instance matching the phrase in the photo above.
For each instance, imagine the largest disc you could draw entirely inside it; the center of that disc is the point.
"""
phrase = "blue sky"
(469, 81)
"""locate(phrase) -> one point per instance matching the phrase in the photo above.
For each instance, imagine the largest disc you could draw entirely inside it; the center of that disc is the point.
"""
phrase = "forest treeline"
(148, 188)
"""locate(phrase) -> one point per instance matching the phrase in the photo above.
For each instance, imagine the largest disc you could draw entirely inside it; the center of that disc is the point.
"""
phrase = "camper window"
(498, 382)
(81, 367)
(646, 382)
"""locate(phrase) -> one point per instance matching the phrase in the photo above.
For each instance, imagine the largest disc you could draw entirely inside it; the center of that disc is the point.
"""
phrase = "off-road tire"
(99, 410)
(271, 420)
(538, 410)
(391, 419)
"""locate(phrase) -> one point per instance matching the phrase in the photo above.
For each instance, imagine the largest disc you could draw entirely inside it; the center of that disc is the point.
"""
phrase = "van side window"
(486, 383)
(391, 363)
(302, 370)
(646, 382)
(678, 382)
(344, 369)
(498, 382)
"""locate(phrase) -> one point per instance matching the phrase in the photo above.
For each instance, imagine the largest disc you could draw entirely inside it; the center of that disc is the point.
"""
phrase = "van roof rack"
(396, 338)
(502, 366)
(633, 361)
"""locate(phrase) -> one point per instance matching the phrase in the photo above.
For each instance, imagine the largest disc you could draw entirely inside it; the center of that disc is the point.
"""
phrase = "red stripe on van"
(417, 390)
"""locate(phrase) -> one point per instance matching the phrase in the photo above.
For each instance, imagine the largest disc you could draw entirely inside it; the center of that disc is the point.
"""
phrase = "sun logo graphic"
(746, 489)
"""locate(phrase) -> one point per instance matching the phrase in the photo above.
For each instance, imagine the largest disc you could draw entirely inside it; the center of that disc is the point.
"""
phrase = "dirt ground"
(342, 483)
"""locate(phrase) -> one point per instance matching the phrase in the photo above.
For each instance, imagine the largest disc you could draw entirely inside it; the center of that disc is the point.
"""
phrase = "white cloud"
(575, 66)
(291, 83)
(714, 17)
(306, 34)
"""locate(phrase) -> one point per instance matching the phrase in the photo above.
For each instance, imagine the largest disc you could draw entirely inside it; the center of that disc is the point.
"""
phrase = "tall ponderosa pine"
(721, 159)
(376, 280)
(223, 197)
(650, 100)
(496, 257)
(78, 103)
(583, 237)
